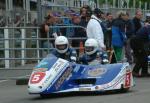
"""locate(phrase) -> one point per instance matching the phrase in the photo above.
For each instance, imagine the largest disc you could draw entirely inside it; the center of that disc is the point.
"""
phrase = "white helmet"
(91, 46)
(61, 44)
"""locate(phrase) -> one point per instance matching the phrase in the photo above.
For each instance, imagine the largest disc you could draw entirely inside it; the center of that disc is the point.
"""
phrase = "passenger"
(93, 55)
(62, 49)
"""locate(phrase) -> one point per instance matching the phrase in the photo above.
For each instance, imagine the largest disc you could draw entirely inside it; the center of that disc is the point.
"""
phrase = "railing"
(21, 45)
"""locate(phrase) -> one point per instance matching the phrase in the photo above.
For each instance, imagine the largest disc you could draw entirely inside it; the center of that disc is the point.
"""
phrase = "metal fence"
(21, 45)
(22, 17)
(131, 11)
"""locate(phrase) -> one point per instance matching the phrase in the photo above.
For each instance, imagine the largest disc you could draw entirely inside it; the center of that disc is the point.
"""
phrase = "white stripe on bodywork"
(114, 84)
(50, 77)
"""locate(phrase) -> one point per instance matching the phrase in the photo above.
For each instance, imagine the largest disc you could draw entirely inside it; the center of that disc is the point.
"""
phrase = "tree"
(145, 1)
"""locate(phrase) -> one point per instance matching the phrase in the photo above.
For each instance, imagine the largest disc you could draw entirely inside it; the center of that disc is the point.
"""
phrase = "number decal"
(127, 79)
(37, 77)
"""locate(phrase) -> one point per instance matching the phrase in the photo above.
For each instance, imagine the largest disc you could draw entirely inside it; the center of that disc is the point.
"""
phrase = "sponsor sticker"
(37, 77)
(128, 79)
(63, 77)
(47, 79)
(42, 65)
(54, 71)
(40, 69)
(96, 72)
(84, 89)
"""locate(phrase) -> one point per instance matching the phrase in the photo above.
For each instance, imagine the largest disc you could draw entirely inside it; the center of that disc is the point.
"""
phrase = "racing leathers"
(98, 57)
(70, 55)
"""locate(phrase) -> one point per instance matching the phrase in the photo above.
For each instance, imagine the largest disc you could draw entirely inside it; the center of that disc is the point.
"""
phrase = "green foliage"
(145, 0)
(130, 2)
(101, 1)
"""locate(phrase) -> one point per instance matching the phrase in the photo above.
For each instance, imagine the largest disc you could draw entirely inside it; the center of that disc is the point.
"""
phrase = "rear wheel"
(123, 90)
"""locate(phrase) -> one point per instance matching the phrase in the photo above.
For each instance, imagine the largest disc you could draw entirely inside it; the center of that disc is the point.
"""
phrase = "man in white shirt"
(94, 28)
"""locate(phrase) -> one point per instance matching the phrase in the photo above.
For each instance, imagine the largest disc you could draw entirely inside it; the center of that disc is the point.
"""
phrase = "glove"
(105, 61)
(73, 59)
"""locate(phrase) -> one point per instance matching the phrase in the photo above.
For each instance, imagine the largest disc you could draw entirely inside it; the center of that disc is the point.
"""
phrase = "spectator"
(94, 28)
(137, 24)
(109, 19)
(129, 30)
(85, 13)
(45, 31)
(68, 32)
(78, 32)
(118, 34)
(137, 21)
(108, 34)
(139, 45)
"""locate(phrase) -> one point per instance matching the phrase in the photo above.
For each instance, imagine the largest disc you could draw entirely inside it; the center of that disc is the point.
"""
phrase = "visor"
(89, 49)
(61, 47)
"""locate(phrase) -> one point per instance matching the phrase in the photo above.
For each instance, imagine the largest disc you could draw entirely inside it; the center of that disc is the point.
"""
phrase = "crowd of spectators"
(128, 37)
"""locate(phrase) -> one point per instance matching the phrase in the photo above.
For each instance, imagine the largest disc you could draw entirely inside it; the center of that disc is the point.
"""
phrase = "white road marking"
(21, 76)
(3, 81)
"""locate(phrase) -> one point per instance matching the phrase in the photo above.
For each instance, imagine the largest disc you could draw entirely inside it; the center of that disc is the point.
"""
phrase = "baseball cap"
(50, 15)
(148, 14)
(97, 11)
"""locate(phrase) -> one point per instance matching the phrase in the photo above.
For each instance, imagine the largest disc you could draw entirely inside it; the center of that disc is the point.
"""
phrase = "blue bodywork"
(78, 75)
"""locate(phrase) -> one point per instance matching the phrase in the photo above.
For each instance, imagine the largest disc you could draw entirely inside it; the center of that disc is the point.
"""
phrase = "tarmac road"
(12, 93)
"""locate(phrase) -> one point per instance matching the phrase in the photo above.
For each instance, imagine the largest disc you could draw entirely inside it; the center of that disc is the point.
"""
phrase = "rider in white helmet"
(93, 55)
(62, 49)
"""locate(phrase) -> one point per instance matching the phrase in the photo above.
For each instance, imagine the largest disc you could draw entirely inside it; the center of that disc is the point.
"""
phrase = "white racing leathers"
(94, 30)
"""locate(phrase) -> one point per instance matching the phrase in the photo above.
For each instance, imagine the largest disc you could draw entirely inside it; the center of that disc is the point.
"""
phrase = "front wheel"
(44, 95)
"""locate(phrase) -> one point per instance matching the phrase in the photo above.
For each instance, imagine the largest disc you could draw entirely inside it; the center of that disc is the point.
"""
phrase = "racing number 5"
(37, 77)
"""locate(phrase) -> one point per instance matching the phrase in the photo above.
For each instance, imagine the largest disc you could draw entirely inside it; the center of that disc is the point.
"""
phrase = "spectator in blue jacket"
(118, 34)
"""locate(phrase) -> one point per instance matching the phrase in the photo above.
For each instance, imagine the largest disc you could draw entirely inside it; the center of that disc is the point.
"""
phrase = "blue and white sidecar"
(56, 75)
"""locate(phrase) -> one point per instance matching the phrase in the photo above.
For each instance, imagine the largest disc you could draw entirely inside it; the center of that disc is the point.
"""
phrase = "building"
(16, 11)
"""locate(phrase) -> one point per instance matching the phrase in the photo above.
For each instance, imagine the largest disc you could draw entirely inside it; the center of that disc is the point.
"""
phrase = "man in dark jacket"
(129, 30)
(137, 21)
(138, 44)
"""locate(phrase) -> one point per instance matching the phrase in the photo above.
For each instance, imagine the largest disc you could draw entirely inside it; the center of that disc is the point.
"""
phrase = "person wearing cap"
(140, 45)
(94, 28)
(148, 18)
(45, 31)
(78, 32)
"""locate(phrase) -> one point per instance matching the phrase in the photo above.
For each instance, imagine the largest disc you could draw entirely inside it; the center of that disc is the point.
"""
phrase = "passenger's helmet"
(91, 46)
(61, 44)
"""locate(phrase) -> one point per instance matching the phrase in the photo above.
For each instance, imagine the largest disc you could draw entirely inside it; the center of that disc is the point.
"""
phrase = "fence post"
(38, 52)
(6, 44)
(23, 46)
